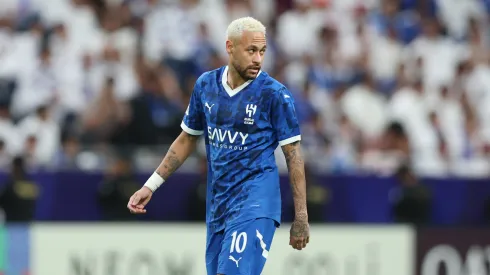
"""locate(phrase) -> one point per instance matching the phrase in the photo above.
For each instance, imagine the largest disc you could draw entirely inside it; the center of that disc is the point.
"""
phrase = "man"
(117, 186)
(246, 114)
(19, 195)
(412, 202)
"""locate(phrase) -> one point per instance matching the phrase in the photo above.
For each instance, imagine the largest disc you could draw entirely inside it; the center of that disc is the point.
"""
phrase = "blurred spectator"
(439, 54)
(5, 158)
(456, 15)
(391, 16)
(304, 22)
(411, 200)
(105, 116)
(66, 156)
(42, 132)
(19, 194)
(171, 37)
(40, 86)
(365, 107)
(317, 198)
(391, 152)
(385, 57)
(120, 73)
(116, 189)
(451, 118)
(197, 199)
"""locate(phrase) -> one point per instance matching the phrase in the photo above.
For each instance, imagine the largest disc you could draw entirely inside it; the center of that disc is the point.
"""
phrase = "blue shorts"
(241, 249)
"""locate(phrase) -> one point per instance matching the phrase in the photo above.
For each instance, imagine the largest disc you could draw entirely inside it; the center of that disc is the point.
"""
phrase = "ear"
(229, 46)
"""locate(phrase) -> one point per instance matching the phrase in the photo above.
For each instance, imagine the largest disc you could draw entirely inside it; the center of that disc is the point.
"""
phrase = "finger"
(135, 200)
(308, 239)
(304, 243)
(135, 209)
(299, 244)
(293, 241)
(131, 209)
(138, 211)
(129, 206)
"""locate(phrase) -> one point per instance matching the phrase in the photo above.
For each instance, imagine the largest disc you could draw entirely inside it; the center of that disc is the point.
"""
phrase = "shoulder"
(270, 85)
(204, 81)
(209, 77)
(275, 90)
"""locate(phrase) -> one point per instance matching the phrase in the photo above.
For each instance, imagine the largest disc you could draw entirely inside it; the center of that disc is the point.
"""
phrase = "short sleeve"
(192, 122)
(283, 117)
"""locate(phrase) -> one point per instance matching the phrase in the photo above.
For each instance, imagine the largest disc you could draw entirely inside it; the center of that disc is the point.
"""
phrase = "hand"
(299, 234)
(139, 200)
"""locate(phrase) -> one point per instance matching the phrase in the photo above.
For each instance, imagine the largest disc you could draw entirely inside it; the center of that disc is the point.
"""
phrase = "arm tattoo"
(295, 163)
(296, 168)
(170, 163)
(173, 160)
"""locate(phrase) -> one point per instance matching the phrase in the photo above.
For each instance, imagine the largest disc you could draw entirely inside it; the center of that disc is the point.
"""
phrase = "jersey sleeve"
(192, 122)
(283, 117)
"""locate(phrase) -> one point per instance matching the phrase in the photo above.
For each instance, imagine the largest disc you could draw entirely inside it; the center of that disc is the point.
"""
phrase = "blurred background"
(393, 98)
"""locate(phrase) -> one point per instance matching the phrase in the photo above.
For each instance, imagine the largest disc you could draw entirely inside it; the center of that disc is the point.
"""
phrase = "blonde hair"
(238, 26)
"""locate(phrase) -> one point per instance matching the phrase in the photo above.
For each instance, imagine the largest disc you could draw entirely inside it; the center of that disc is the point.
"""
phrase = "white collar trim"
(231, 92)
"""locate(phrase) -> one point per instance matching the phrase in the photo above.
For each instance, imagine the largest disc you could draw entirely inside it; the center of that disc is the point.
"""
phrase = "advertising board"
(452, 251)
(349, 250)
(118, 249)
(179, 249)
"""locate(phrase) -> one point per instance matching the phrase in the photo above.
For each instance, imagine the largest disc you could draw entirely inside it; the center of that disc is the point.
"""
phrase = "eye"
(251, 51)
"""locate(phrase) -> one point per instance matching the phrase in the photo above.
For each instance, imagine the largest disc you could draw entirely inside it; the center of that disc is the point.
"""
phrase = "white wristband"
(154, 182)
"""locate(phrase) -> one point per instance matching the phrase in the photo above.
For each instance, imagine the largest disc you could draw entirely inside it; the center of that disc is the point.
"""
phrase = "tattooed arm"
(179, 151)
(300, 228)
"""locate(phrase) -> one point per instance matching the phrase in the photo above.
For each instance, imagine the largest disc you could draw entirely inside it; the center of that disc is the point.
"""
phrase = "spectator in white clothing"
(8, 132)
(365, 107)
(40, 134)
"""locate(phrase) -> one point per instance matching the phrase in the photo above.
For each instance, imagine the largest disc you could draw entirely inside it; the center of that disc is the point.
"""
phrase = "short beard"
(242, 72)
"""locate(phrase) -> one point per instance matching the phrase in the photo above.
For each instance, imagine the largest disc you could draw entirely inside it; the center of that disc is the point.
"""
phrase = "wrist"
(154, 182)
(301, 216)
(146, 187)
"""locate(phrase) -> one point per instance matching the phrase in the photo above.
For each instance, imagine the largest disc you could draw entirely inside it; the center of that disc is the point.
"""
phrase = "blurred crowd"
(377, 83)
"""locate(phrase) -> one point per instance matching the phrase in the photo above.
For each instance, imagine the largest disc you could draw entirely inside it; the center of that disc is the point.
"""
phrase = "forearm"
(179, 151)
(296, 168)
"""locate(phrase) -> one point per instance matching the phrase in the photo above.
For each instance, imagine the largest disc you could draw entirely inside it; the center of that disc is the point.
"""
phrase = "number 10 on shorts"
(239, 242)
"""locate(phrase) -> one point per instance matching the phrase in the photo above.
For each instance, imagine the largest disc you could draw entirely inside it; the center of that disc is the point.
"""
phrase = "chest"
(245, 111)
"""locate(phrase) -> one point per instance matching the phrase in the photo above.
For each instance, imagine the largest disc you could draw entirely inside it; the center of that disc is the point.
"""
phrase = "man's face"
(247, 53)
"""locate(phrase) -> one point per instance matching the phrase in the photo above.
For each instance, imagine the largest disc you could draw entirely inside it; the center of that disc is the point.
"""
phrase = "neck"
(234, 78)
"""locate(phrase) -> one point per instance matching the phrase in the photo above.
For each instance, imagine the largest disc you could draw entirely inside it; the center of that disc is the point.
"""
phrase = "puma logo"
(209, 107)
(233, 259)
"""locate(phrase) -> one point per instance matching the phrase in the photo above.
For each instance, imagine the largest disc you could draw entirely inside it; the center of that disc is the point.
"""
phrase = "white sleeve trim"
(190, 131)
(289, 140)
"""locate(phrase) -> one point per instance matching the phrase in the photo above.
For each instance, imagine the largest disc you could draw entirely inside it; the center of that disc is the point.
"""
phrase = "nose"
(257, 58)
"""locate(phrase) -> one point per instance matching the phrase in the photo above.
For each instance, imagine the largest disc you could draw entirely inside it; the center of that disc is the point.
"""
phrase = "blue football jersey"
(242, 129)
